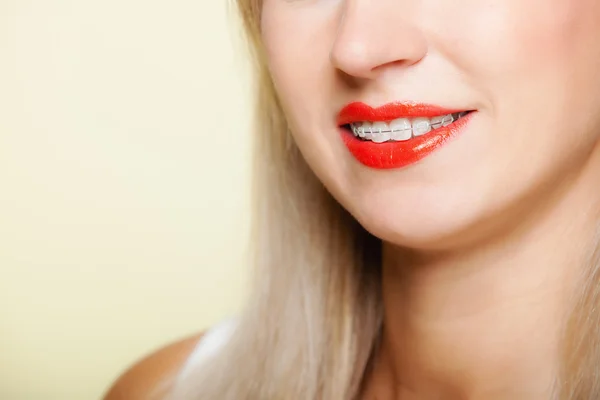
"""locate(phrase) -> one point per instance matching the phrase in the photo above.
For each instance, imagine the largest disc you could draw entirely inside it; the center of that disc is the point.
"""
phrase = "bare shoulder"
(153, 376)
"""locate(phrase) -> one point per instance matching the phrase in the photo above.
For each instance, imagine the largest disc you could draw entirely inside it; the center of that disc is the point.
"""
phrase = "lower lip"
(400, 154)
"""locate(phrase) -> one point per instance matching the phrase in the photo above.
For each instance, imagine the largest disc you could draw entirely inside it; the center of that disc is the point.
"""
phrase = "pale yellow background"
(123, 185)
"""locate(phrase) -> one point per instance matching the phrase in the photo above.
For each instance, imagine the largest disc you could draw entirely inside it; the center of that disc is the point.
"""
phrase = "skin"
(152, 377)
(484, 239)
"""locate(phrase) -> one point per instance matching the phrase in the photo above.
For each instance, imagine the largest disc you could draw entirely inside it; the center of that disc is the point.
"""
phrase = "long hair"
(314, 315)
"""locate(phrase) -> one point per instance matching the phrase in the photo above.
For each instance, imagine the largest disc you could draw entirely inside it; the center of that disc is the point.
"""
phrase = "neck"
(485, 321)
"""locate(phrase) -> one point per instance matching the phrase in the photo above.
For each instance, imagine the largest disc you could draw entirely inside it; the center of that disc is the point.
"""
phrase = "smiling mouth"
(399, 134)
(401, 129)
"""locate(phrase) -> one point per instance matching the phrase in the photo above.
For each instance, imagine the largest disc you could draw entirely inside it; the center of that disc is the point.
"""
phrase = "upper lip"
(360, 112)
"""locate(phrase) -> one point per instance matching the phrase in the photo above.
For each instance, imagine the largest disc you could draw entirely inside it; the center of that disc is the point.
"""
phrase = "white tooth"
(358, 130)
(447, 120)
(367, 129)
(437, 122)
(381, 137)
(421, 126)
(401, 129)
(380, 126)
(380, 132)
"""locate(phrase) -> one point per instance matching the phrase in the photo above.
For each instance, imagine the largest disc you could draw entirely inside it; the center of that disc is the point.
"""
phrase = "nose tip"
(358, 61)
(353, 59)
(363, 49)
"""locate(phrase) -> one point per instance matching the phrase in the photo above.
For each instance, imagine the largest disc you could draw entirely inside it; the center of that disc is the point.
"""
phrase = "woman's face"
(528, 70)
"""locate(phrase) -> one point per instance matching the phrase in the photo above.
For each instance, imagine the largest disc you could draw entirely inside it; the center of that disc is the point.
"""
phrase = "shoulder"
(153, 376)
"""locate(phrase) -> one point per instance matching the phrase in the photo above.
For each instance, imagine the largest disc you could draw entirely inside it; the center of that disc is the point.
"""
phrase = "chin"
(428, 221)
(417, 231)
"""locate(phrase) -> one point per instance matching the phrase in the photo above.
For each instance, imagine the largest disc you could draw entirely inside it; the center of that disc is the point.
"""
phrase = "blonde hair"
(314, 316)
(314, 312)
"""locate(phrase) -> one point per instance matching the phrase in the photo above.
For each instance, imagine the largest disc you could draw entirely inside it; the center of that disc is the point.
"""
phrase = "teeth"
(444, 120)
(448, 119)
(366, 130)
(402, 128)
(381, 132)
(421, 126)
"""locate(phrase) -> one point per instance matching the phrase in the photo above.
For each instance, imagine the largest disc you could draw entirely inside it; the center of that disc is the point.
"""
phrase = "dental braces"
(435, 125)
(447, 120)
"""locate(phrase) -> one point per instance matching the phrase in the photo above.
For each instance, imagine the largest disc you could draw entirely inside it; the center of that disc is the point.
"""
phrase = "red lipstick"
(397, 154)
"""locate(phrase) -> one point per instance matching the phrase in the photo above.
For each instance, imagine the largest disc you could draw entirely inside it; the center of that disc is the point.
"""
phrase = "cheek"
(298, 40)
(497, 39)
(536, 63)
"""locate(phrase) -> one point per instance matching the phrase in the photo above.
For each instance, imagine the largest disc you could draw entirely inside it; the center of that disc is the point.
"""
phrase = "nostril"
(352, 60)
